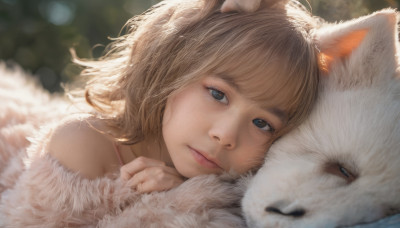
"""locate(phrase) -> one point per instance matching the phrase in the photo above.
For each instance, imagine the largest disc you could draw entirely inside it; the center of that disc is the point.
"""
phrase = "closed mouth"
(203, 160)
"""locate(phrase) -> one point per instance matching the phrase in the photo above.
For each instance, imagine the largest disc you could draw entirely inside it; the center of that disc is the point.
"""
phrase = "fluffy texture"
(36, 191)
(24, 109)
(341, 166)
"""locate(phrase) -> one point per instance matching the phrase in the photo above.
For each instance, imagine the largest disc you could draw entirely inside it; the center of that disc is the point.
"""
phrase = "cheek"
(254, 146)
(172, 123)
(184, 114)
(180, 114)
(251, 156)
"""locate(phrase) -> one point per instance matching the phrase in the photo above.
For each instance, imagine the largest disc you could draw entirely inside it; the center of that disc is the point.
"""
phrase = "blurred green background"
(37, 34)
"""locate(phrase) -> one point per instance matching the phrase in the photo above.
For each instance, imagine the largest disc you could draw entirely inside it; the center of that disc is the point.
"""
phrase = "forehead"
(252, 90)
(268, 87)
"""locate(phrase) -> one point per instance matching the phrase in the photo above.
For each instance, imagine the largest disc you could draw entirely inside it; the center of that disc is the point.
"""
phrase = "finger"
(147, 187)
(151, 172)
(155, 179)
(229, 6)
(240, 6)
(137, 165)
(137, 179)
(158, 173)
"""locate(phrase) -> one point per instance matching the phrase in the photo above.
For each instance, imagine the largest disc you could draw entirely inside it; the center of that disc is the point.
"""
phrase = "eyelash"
(270, 128)
(339, 170)
(215, 92)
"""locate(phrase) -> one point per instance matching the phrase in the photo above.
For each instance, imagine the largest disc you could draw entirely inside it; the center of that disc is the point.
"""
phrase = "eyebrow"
(279, 113)
(231, 82)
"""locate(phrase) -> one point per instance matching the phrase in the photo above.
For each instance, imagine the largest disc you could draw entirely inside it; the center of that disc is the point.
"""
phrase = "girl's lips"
(202, 160)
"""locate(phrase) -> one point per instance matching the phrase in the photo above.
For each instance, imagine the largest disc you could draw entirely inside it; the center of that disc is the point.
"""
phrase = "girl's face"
(211, 127)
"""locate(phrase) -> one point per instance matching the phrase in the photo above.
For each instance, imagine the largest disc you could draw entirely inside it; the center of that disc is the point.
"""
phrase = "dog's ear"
(248, 5)
(366, 46)
(340, 50)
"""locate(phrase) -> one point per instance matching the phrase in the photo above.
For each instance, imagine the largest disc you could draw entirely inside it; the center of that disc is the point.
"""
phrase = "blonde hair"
(176, 42)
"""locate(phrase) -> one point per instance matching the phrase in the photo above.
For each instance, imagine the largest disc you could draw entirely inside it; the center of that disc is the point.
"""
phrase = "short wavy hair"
(177, 42)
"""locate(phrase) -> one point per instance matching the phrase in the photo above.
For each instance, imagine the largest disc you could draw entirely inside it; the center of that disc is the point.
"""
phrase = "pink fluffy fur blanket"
(36, 191)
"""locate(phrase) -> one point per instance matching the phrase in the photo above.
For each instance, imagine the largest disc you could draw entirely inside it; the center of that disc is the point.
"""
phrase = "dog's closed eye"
(339, 170)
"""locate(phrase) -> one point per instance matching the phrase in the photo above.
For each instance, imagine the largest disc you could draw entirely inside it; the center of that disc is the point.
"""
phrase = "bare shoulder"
(78, 144)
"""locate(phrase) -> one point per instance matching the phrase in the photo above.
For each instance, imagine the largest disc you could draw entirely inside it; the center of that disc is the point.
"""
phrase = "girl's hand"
(240, 5)
(247, 5)
(148, 175)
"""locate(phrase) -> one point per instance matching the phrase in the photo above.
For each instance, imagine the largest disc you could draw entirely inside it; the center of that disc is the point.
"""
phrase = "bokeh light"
(58, 12)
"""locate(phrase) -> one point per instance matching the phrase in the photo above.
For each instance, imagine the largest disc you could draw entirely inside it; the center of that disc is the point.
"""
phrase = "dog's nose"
(285, 209)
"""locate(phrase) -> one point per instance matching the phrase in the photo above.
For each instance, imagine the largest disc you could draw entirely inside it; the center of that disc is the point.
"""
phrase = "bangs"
(266, 80)
(265, 53)
(269, 54)
(270, 75)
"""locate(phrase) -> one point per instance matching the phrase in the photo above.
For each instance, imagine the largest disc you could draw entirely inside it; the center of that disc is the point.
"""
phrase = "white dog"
(342, 166)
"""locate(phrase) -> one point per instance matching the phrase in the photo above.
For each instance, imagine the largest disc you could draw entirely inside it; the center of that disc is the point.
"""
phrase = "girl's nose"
(225, 133)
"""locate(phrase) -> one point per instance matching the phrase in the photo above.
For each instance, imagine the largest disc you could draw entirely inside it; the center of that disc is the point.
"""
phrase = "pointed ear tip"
(389, 14)
(342, 48)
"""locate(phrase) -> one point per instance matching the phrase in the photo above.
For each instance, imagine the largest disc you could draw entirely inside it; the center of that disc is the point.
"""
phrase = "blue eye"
(218, 95)
(263, 125)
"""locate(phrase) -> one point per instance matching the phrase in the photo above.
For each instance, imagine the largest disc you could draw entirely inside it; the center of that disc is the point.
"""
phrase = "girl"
(187, 91)
(190, 91)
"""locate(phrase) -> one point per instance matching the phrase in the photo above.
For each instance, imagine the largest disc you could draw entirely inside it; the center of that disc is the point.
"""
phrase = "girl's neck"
(150, 148)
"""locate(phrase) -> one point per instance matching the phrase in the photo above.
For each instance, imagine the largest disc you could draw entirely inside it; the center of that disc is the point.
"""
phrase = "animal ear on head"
(248, 5)
(341, 49)
(367, 41)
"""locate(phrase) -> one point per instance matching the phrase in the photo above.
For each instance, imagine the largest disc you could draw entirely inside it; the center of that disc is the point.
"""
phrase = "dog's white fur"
(355, 125)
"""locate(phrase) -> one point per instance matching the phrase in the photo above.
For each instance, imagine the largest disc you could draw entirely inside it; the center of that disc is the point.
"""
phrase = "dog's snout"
(282, 209)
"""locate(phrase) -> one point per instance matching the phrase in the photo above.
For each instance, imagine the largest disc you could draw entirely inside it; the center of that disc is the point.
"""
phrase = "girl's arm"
(47, 194)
